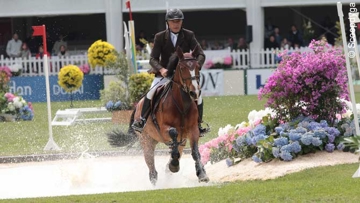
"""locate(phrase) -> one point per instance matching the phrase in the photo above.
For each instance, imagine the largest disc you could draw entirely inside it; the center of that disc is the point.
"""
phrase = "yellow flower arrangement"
(100, 53)
(70, 78)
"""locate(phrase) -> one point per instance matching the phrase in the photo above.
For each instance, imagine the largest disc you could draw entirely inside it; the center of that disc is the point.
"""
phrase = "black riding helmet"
(174, 14)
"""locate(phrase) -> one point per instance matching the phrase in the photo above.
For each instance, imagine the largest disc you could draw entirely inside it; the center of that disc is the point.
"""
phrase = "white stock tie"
(174, 38)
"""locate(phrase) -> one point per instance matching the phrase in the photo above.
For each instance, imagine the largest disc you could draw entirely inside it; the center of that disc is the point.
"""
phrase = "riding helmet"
(174, 14)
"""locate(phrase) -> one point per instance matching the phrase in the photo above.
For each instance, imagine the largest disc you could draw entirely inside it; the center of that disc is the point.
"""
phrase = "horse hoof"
(153, 181)
(204, 178)
(174, 169)
(153, 177)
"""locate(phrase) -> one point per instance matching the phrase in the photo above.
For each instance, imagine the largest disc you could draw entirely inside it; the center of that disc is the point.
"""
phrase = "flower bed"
(306, 111)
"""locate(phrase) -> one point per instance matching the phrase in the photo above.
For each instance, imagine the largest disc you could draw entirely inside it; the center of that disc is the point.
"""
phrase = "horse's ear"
(179, 53)
(195, 52)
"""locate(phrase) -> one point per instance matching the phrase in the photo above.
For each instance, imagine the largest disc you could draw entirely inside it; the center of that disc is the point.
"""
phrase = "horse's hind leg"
(200, 171)
(148, 145)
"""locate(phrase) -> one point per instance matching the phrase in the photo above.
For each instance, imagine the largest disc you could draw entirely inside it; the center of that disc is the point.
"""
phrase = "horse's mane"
(173, 61)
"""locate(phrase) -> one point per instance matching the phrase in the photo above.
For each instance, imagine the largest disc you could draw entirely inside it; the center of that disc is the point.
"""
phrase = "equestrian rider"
(165, 43)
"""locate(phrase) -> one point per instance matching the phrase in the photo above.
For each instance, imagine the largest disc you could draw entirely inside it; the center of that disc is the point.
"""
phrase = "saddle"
(161, 92)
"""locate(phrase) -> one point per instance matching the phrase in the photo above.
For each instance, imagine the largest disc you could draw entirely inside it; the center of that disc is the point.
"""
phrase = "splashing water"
(90, 175)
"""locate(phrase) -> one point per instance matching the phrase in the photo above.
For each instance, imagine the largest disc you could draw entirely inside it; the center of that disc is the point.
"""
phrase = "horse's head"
(187, 73)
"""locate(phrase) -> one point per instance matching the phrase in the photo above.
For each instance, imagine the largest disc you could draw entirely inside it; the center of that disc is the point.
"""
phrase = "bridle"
(183, 80)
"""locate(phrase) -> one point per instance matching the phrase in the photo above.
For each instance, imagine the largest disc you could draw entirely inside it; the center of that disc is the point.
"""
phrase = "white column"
(114, 23)
(255, 17)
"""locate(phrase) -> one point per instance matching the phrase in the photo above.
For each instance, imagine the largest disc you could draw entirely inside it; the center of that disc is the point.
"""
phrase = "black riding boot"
(201, 129)
(145, 111)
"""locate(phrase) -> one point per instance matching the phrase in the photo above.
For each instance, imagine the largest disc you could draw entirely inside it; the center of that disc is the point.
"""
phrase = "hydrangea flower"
(340, 146)
(241, 141)
(286, 156)
(278, 129)
(229, 162)
(306, 139)
(301, 130)
(256, 159)
(281, 141)
(109, 105)
(275, 152)
(320, 133)
(294, 136)
(296, 147)
(329, 147)
(316, 141)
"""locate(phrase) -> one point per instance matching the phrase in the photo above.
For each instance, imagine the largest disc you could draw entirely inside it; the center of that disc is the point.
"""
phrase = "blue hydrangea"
(304, 124)
(286, 148)
(323, 123)
(333, 131)
(285, 126)
(26, 113)
(331, 138)
(316, 141)
(276, 152)
(257, 138)
(229, 162)
(340, 146)
(259, 129)
(329, 147)
(241, 141)
(286, 156)
(279, 129)
(320, 133)
(306, 138)
(296, 147)
(248, 139)
(236, 147)
(314, 126)
(117, 104)
(109, 105)
(301, 130)
(284, 134)
(281, 141)
(294, 136)
(256, 159)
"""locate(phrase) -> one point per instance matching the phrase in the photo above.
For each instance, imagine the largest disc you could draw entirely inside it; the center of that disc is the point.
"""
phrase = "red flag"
(38, 30)
(128, 4)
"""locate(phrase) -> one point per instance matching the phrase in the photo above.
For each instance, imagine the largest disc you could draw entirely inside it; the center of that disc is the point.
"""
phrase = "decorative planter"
(121, 117)
(7, 117)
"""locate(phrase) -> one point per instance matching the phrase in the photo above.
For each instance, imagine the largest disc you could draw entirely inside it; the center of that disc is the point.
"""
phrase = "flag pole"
(41, 31)
(349, 73)
(132, 36)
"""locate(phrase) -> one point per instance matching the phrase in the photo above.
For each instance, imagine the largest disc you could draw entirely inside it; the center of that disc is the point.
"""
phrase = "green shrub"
(139, 84)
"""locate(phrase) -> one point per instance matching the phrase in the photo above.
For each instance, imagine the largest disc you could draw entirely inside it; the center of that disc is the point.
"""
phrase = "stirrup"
(202, 130)
(139, 125)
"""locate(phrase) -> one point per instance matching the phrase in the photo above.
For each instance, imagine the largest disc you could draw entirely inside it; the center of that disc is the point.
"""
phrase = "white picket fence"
(241, 60)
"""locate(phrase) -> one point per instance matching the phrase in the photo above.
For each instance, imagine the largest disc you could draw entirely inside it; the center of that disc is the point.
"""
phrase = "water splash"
(90, 175)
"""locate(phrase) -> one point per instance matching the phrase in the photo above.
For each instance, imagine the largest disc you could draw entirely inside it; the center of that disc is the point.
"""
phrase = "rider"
(165, 43)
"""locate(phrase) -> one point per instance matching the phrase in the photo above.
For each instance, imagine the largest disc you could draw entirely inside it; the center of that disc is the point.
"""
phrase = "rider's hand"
(188, 55)
(163, 72)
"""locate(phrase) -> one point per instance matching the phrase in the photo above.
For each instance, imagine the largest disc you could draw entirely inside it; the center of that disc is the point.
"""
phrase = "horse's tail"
(119, 138)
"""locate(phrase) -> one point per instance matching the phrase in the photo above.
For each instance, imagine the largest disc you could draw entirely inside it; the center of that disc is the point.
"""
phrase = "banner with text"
(212, 82)
(33, 89)
(256, 79)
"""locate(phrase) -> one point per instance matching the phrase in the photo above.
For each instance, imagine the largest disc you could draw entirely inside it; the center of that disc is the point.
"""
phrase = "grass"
(30, 137)
(322, 184)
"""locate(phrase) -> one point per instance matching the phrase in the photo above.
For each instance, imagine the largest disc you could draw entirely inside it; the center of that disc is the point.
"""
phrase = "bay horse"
(173, 121)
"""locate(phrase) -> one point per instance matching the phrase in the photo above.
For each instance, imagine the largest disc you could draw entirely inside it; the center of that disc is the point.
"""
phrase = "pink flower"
(208, 64)
(85, 68)
(31, 107)
(227, 60)
(9, 97)
(243, 131)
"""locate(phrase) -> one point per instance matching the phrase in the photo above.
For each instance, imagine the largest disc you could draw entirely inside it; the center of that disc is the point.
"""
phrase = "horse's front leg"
(148, 145)
(174, 165)
(200, 171)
